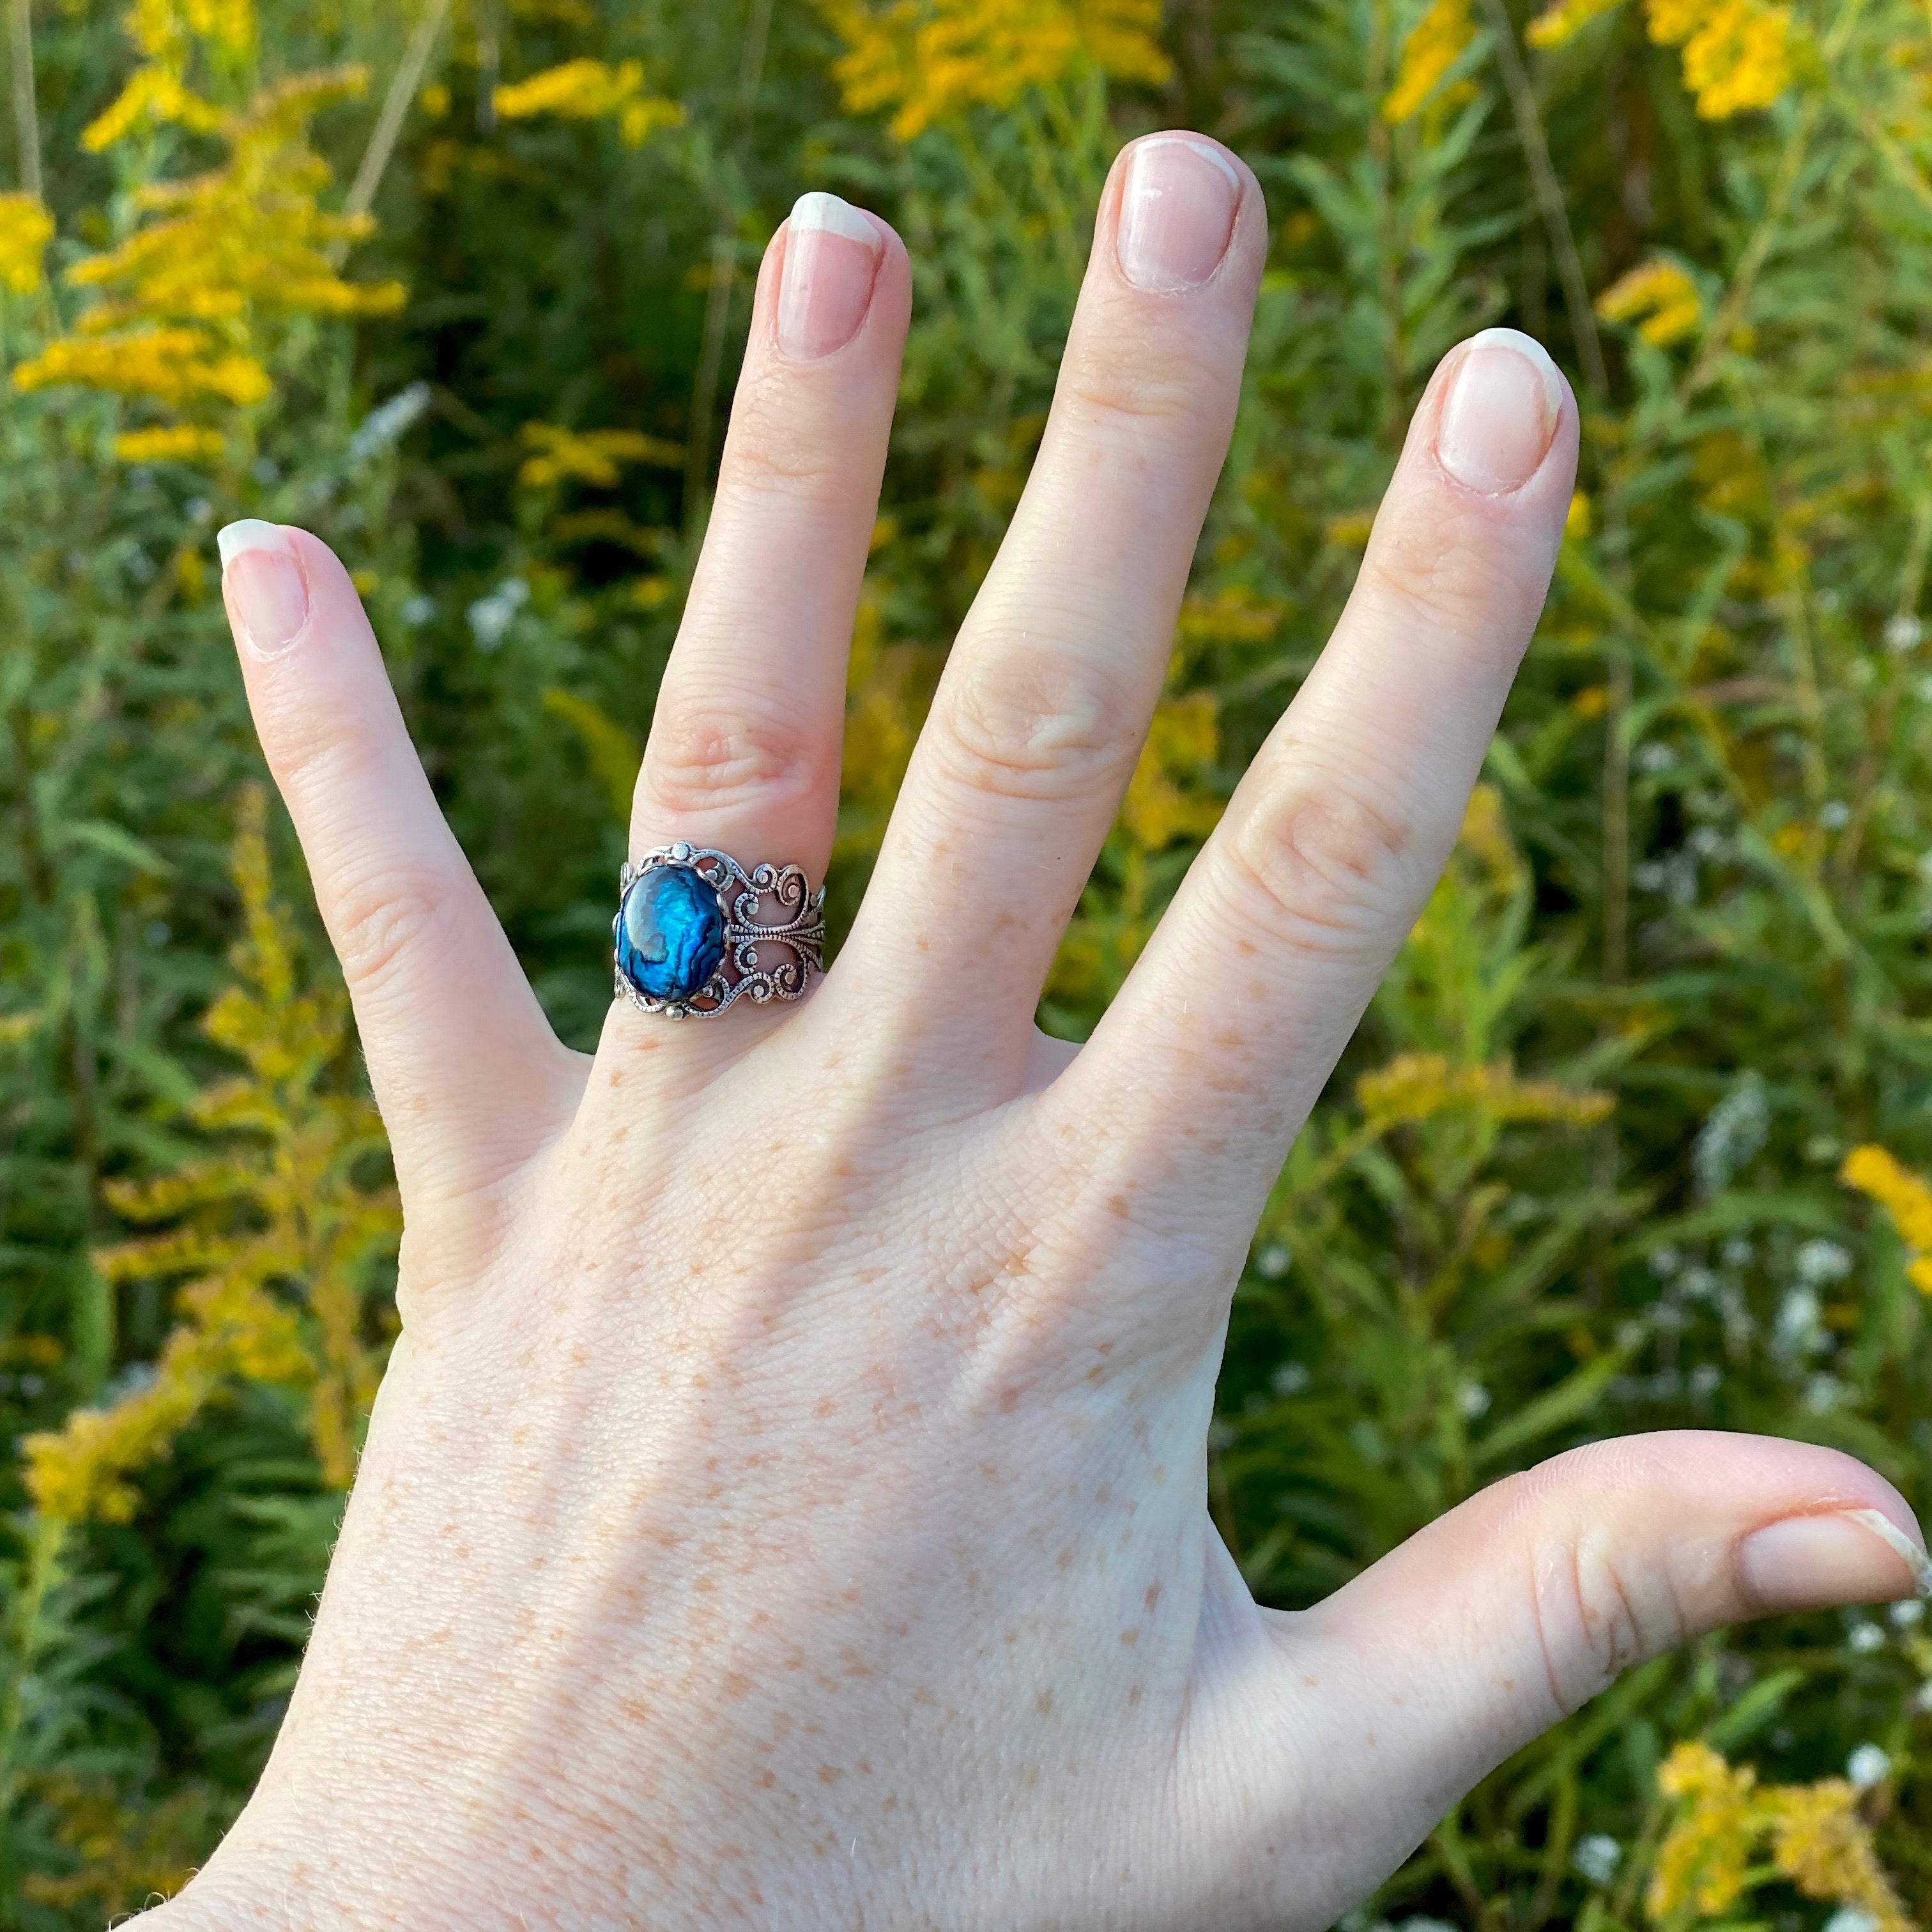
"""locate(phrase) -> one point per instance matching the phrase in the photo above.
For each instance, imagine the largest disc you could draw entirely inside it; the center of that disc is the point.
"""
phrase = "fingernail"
(1850, 1556)
(1178, 208)
(1504, 400)
(268, 596)
(831, 258)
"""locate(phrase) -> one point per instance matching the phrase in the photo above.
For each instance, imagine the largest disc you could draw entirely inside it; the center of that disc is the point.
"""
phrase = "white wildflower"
(1732, 1132)
(490, 617)
(1868, 1765)
(1290, 1379)
(1597, 1857)
(1821, 1262)
(386, 424)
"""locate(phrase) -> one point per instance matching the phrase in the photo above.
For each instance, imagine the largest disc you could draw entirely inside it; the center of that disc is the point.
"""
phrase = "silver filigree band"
(764, 958)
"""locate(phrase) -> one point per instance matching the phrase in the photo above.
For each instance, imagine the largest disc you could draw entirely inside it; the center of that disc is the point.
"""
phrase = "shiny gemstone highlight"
(670, 933)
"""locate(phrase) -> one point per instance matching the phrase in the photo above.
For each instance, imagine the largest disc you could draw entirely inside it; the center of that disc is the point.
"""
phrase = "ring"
(690, 939)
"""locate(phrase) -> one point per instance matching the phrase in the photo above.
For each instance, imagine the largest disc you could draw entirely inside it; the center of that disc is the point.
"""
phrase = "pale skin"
(786, 1506)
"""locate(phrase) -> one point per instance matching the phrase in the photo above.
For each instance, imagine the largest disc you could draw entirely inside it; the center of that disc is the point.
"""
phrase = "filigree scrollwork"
(774, 931)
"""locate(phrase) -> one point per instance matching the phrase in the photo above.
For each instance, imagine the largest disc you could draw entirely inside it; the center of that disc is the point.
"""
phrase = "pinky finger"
(468, 1075)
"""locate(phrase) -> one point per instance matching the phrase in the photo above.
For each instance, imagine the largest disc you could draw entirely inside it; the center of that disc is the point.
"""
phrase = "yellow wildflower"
(1577, 521)
(1659, 293)
(1417, 1086)
(1163, 801)
(1234, 615)
(932, 61)
(1703, 1859)
(591, 456)
(185, 295)
(1736, 53)
(1820, 1844)
(1564, 20)
(152, 94)
(589, 90)
(176, 443)
(282, 1210)
(1432, 48)
(1906, 1199)
(25, 229)
(173, 365)
(1818, 1841)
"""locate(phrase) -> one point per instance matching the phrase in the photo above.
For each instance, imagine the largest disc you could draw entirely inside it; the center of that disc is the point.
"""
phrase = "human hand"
(786, 1504)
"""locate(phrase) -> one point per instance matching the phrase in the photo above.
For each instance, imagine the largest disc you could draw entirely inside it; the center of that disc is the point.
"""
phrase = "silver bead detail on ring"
(690, 939)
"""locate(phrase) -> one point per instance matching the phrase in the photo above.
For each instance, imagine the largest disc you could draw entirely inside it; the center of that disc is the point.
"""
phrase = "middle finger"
(1048, 692)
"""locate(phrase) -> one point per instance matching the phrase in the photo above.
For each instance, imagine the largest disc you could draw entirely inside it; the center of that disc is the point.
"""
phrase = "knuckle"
(701, 759)
(320, 756)
(1023, 724)
(777, 448)
(1332, 867)
(380, 919)
(1592, 1624)
(1103, 386)
(1437, 573)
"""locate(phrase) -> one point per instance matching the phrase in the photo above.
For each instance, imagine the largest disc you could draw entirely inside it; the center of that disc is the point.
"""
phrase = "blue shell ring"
(695, 931)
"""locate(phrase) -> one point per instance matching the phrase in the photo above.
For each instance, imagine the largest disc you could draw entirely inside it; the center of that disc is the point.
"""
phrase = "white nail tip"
(1916, 1559)
(251, 533)
(1206, 150)
(1532, 352)
(819, 210)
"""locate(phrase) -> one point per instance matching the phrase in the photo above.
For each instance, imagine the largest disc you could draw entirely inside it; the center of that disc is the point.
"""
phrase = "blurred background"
(1631, 1137)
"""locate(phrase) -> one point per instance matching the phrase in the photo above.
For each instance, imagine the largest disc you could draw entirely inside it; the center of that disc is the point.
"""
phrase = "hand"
(786, 1506)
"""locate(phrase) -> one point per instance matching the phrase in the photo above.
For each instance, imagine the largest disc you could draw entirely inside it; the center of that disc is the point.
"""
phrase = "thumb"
(1506, 1614)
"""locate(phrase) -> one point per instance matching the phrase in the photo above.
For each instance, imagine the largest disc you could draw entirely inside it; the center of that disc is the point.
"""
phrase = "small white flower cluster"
(1733, 1132)
(1597, 1857)
(491, 616)
(388, 423)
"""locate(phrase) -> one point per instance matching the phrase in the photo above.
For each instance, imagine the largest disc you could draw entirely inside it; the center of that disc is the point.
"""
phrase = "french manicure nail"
(267, 595)
(1177, 206)
(1847, 1556)
(831, 259)
(1505, 399)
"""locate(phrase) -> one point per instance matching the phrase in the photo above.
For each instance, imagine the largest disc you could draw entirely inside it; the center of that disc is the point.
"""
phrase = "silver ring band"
(695, 931)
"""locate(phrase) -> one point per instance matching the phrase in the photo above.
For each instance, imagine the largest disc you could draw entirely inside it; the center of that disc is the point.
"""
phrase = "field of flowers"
(1631, 1137)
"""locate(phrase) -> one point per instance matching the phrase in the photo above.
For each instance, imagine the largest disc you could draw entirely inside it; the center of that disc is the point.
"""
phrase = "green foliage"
(1578, 1173)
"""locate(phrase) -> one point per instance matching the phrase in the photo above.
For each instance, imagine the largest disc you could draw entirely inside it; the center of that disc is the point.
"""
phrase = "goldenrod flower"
(185, 295)
(1906, 1199)
(1818, 1841)
(282, 1210)
(152, 94)
(172, 365)
(1417, 1086)
(932, 61)
(1702, 1861)
(1736, 53)
(588, 456)
(1163, 801)
(25, 229)
(589, 90)
(177, 442)
(1564, 20)
(1431, 49)
(1659, 297)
